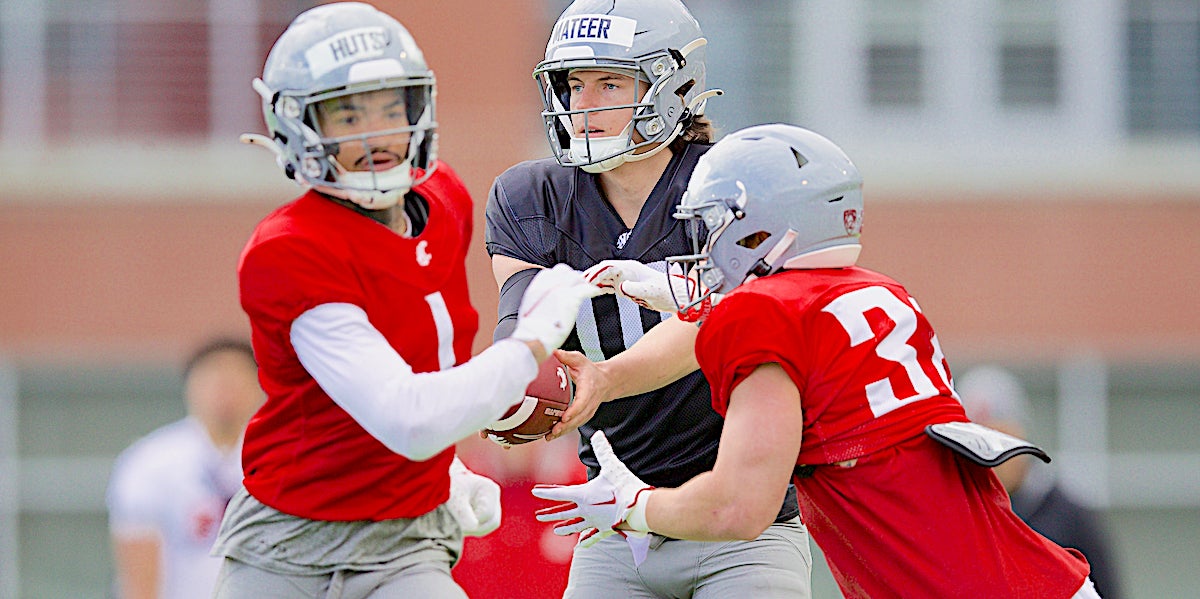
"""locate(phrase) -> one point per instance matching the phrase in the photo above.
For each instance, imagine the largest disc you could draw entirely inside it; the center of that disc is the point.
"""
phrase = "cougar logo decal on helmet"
(338, 50)
(657, 42)
(766, 198)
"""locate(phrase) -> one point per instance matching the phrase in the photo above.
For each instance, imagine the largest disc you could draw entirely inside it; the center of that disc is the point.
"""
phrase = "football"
(545, 400)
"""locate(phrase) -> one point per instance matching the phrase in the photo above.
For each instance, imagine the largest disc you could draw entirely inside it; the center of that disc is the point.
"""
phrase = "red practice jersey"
(902, 516)
(523, 559)
(303, 454)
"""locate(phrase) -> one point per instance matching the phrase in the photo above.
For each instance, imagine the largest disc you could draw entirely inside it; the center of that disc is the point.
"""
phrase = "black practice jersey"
(542, 213)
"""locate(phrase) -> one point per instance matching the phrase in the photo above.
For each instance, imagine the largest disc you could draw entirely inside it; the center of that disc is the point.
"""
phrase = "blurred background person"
(523, 558)
(169, 489)
(995, 397)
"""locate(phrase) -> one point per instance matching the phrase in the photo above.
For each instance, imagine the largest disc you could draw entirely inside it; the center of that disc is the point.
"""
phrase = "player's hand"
(597, 507)
(592, 387)
(551, 304)
(474, 500)
(647, 287)
(601, 503)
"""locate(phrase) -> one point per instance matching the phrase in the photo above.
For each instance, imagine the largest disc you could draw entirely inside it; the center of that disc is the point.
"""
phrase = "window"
(1163, 45)
(895, 56)
(1029, 54)
(135, 69)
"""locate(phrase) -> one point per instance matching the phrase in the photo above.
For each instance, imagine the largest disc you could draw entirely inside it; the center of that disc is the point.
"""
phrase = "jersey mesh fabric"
(304, 455)
(544, 214)
(909, 517)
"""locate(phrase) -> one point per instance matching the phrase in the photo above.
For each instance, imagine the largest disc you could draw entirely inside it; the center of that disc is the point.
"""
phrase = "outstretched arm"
(738, 499)
(662, 356)
(362, 373)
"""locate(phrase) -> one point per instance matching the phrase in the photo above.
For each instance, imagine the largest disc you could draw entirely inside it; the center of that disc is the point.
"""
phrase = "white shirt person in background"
(169, 489)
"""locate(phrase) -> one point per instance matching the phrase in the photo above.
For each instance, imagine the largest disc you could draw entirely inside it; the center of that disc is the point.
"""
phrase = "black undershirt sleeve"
(511, 293)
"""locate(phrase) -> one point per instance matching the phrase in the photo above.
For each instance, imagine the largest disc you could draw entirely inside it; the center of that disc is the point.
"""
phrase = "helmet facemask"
(362, 183)
(340, 50)
(646, 126)
(706, 221)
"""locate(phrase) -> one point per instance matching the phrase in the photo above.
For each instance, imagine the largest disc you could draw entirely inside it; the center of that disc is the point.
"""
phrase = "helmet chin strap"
(678, 127)
(602, 146)
(766, 265)
(396, 181)
(262, 141)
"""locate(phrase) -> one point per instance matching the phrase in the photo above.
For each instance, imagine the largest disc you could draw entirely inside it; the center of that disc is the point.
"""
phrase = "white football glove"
(650, 288)
(551, 304)
(643, 284)
(596, 507)
(474, 500)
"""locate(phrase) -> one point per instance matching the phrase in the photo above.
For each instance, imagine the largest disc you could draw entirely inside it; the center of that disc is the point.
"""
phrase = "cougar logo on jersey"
(423, 255)
(595, 28)
(344, 48)
(622, 239)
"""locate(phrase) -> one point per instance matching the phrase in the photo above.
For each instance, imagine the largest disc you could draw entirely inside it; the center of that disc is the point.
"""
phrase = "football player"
(623, 87)
(168, 490)
(829, 376)
(362, 325)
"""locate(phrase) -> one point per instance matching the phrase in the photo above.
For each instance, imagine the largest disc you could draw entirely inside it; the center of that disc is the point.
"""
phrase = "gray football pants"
(419, 579)
(778, 564)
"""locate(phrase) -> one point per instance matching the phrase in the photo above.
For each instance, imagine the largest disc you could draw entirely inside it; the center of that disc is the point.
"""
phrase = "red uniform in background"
(523, 559)
(896, 513)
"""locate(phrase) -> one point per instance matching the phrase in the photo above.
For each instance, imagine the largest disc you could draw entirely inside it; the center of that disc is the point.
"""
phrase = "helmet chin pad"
(371, 190)
(584, 148)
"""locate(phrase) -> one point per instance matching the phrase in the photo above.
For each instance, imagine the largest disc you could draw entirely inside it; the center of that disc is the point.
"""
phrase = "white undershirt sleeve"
(415, 415)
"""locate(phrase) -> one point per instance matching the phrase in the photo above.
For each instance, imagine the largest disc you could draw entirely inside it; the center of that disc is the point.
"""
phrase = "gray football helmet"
(766, 198)
(656, 41)
(336, 50)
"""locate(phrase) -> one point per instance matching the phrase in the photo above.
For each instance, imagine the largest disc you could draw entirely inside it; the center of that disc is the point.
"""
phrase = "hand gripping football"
(545, 400)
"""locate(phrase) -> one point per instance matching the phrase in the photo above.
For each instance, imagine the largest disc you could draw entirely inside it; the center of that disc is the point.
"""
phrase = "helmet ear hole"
(754, 240)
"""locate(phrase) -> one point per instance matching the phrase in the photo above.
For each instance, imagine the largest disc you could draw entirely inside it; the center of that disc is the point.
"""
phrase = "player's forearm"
(137, 564)
(707, 509)
(740, 497)
(414, 415)
(662, 356)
